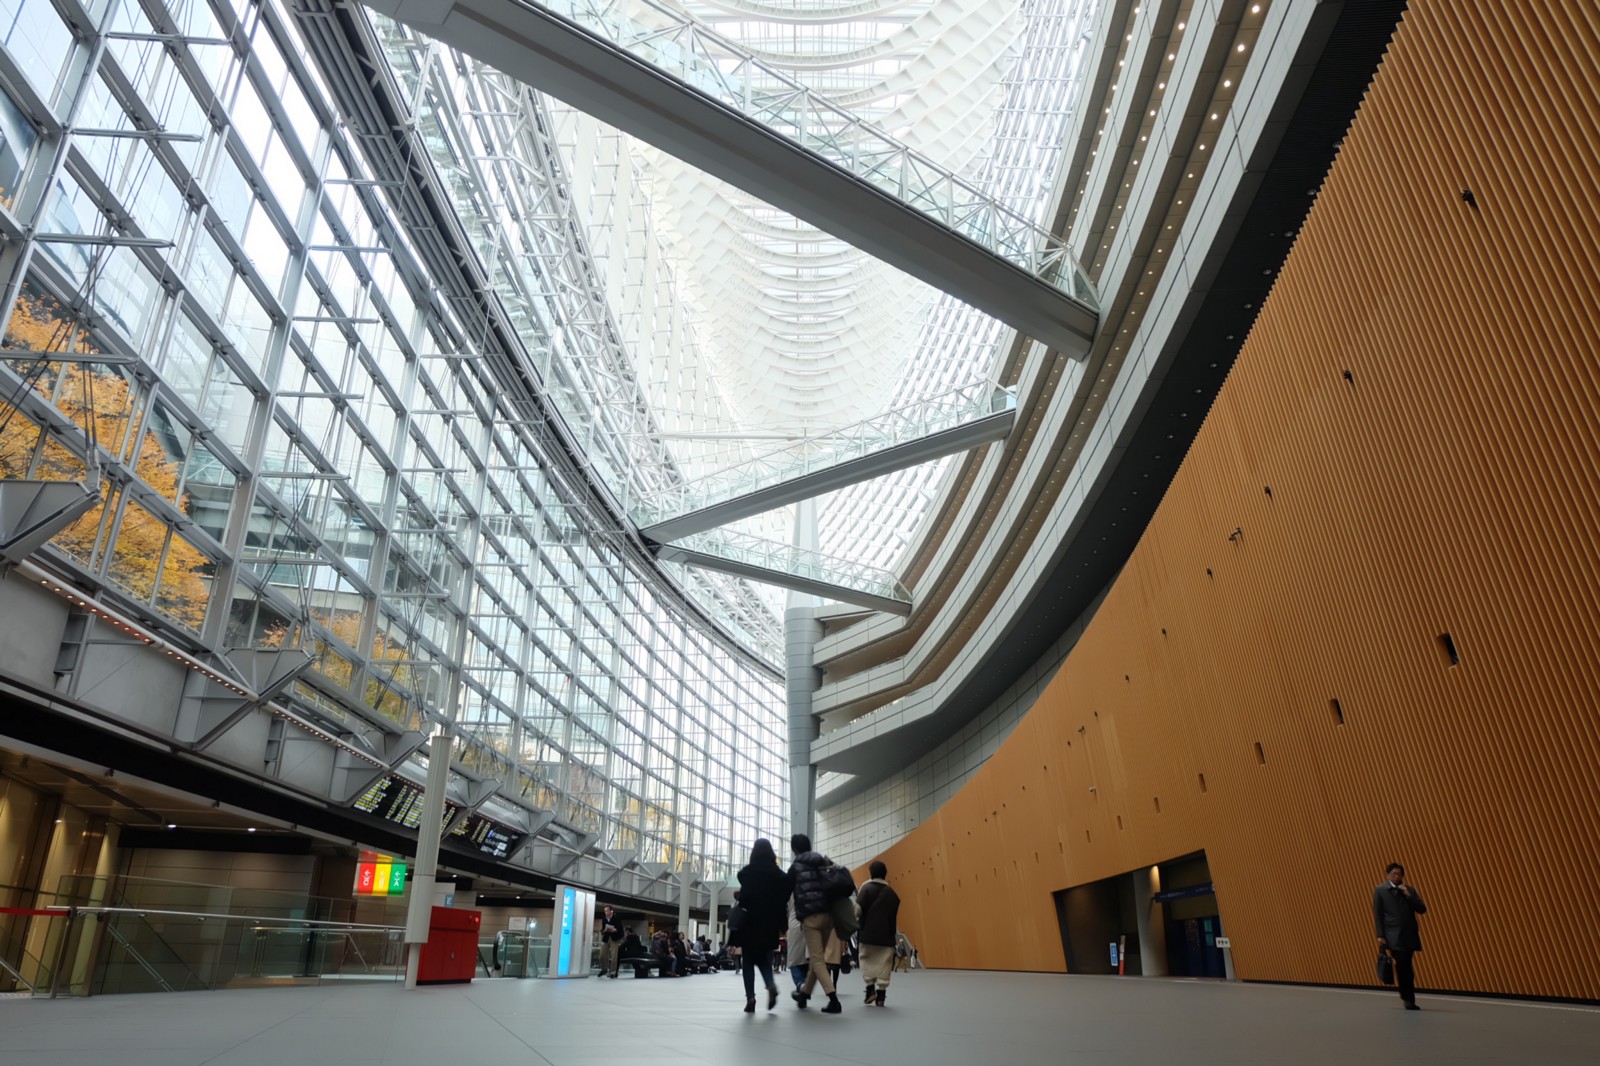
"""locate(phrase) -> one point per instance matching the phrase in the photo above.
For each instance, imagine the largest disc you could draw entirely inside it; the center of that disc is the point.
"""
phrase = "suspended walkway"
(660, 76)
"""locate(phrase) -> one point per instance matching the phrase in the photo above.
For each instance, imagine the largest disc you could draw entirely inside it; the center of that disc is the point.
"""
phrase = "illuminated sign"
(571, 932)
(380, 878)
(569, 897)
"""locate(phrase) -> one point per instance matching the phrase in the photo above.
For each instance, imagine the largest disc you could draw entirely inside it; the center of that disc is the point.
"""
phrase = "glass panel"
(166, 442)
(17, 138)
(284, 178)
(265, 247)
(136, 557)
(19, 438)
(81, 539)
(230, 406)
(32, 31)
(249, 326)
(230, 194)
(58, 463)
(127, 294)
(209, 274)
(70, 210)
(255, 622)
(251, 121)
(150, 196)
(184, 591)
(208, 491)
(184, 362)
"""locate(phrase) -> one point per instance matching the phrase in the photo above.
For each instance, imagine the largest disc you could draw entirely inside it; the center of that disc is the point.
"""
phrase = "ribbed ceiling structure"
(751, 329)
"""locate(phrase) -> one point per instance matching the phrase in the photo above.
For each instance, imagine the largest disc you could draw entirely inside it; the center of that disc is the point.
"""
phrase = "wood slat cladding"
(1421, 395)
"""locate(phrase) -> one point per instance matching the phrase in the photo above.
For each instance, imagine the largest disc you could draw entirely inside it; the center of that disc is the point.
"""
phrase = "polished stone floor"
(932, 1018)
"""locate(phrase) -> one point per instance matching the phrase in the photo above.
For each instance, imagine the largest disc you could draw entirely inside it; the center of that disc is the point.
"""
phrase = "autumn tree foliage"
(100, 402)
(388, 687)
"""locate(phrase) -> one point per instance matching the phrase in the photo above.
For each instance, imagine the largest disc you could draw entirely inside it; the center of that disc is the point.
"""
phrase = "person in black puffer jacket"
(809, 873)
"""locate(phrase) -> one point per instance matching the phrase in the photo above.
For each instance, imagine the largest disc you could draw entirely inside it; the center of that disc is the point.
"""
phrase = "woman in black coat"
(764, 895)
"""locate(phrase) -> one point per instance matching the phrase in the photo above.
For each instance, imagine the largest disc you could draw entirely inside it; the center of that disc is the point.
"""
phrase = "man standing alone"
(880, 908)
(1395, 906)
(610, 942)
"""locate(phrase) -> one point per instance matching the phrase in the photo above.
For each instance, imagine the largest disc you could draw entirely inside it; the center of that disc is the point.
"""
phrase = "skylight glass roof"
(750, 330)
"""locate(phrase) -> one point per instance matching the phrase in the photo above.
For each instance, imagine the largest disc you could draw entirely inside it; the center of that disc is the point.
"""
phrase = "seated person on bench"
(634, 953)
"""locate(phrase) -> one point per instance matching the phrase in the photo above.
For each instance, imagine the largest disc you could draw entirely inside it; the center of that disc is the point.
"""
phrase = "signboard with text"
(394, 799)
(486, 836)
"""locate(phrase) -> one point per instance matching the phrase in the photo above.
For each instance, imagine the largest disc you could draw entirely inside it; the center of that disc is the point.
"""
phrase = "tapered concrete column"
(802, 630)
(429, 830)
(1152, 922)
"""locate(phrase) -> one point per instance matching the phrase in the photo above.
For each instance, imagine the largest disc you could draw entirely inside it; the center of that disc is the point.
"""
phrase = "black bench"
(642, 965)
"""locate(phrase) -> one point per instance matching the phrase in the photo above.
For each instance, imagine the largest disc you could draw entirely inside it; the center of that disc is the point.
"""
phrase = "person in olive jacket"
(880, 910)
(764, 894)
(808, 873)
(1395, 906)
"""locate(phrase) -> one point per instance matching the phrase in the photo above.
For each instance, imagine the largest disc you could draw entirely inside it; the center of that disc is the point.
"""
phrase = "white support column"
(685, 888)
(429, 831)
(801, 631)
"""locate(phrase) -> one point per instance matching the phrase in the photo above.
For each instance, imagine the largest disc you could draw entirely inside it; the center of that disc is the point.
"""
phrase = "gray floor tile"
(933, 1018)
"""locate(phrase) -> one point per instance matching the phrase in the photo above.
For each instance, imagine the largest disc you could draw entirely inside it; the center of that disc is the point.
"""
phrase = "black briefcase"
(1385, 967)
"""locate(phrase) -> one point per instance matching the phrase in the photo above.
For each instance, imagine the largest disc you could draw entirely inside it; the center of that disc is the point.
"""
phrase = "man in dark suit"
(610, 941)
(1395, 906)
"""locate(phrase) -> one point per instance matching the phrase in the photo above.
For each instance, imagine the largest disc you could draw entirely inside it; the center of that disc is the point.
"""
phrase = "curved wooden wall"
(1449, 484)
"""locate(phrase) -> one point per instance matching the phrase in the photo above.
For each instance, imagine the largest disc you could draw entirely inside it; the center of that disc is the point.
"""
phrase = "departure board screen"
(375, 800)
(487, 836)
(395, 799)
(407, 806)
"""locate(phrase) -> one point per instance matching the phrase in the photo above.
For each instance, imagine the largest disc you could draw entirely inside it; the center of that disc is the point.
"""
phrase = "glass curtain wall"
(301, 440)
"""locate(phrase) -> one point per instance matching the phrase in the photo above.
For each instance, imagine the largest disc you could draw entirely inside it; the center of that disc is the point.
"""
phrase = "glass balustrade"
(68, 943)
(800, 562)
(31, 926)
(825, 451)
(183, 951)
(513, 953)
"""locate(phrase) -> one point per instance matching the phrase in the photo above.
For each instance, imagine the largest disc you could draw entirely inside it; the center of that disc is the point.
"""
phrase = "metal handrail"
(145, 912)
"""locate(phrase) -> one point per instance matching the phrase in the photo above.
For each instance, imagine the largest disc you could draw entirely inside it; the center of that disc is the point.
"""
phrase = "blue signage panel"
(568, 900)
